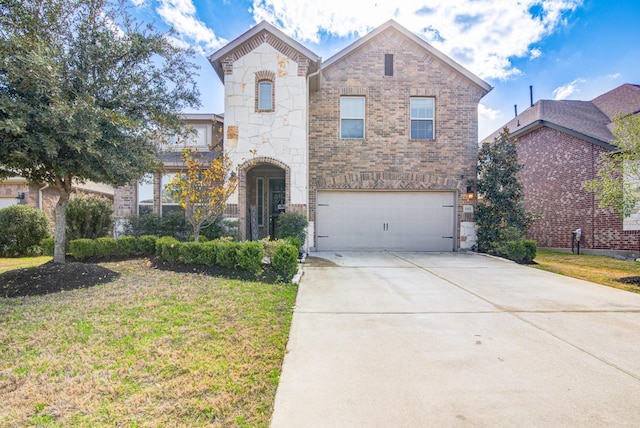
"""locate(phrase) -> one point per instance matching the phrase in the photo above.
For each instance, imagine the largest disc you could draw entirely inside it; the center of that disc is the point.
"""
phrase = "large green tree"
(500, 211)
(617, 184)
(85, 91)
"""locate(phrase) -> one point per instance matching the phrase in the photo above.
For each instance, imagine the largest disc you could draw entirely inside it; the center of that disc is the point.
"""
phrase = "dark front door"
(276, 203)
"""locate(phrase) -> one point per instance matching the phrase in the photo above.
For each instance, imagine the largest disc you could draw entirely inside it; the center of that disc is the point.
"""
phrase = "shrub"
(285, 261)
(520, 251)
(105, 247)
(168, 249)
(269, 246)
(21, 229)
(126, 246)
(213, 231)
(143, 225)
(250, 256)
(147, 244)
(47, 245)
(89, 217)
(207, 254)
(82, 248)
(174, 223)
(292, 225)
(190, 252)
(227, 254)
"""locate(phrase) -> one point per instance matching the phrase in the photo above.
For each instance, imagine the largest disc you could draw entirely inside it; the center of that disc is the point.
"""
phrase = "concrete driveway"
(456, 340)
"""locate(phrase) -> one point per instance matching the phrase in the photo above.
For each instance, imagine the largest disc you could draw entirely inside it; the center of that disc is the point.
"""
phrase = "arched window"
(265, 91)
(265, 95)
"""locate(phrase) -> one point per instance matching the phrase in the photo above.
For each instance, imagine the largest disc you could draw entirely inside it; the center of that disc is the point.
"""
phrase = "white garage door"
(7, 202)
(351, 220)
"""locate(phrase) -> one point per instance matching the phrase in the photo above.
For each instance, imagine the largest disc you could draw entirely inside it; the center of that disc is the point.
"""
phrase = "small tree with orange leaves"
(202, 189)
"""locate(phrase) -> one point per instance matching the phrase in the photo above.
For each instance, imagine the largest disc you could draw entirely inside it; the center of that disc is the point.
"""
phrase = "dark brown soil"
(633, 280)
(54, 277)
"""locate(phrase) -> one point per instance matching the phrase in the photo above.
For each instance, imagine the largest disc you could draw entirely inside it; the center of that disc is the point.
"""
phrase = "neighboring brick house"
(559, 143)
(376, 145)
(149, 194)
(18, 190)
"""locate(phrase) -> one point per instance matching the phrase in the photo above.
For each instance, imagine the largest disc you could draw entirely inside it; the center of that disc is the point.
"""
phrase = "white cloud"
(614, 76)
(487, 113)
(139, 3)
(181, 15)
(535, 53)
(565, 91)
(483, 35)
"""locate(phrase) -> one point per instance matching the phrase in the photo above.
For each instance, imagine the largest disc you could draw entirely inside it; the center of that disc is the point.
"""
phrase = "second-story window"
(265, 95)
(265, 91)
(422, 118)
(352, 117)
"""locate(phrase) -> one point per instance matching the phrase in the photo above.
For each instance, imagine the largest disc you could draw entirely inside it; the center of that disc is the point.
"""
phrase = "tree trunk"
(60, 234)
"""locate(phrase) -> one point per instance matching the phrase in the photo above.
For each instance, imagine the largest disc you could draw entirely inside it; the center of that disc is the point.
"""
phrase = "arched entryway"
(263, 194)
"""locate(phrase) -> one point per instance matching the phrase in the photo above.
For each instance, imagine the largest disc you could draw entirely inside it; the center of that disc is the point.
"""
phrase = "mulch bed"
(54, 277)
(631, 280)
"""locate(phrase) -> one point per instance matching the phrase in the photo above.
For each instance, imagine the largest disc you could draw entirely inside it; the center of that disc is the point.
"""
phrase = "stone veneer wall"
(280, 134)
(277, 138)
(556, 165)
(387, 158)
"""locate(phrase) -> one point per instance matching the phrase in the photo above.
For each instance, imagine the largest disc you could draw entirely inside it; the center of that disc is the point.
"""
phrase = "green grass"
(599, 269)
(24, 262)
(153, 348)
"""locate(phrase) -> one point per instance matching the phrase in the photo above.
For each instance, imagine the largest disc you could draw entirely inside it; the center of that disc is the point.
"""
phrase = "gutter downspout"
(309, 77)
(40, 190)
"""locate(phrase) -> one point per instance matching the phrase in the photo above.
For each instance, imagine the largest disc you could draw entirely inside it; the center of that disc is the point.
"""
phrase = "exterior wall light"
(469, 192)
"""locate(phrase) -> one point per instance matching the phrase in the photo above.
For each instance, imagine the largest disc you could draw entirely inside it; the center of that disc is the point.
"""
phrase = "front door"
(277, 204)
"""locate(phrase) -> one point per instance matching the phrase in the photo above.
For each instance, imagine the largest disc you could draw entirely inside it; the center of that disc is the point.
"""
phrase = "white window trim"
(271, 95)
(432, 119)
(363, 118)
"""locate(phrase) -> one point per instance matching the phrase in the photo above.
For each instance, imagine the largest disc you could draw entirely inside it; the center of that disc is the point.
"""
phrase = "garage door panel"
(421, 221)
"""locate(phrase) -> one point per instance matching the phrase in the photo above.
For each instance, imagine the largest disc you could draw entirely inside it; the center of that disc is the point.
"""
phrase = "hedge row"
(518, 250)
(233, 255)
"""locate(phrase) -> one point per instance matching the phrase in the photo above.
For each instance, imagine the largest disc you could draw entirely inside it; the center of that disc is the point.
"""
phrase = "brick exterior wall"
(556, 165)
(387, 158)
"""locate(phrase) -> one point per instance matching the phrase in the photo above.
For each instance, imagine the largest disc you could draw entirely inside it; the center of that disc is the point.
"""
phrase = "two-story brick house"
(559, 145)
(376, 144)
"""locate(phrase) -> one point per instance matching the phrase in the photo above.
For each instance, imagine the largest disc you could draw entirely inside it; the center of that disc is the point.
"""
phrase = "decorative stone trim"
(388, 180)
(277, 44)
(354, 90)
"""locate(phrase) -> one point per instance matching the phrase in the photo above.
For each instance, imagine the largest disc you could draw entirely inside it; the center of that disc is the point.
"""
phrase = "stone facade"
(267, 145)
(387, 158)
(279, 134)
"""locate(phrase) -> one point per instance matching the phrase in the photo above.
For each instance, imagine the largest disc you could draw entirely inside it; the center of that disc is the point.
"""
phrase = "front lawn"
(599, 269)
(152, 348)
(24, 262)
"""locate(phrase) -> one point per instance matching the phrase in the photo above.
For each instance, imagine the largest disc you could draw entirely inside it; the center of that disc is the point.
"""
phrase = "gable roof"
(257, 35)
(624, 100)
(422, 43)
(589, 120)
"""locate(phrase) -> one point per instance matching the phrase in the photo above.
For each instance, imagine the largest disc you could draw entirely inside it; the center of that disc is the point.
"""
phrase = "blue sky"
(565, 49)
